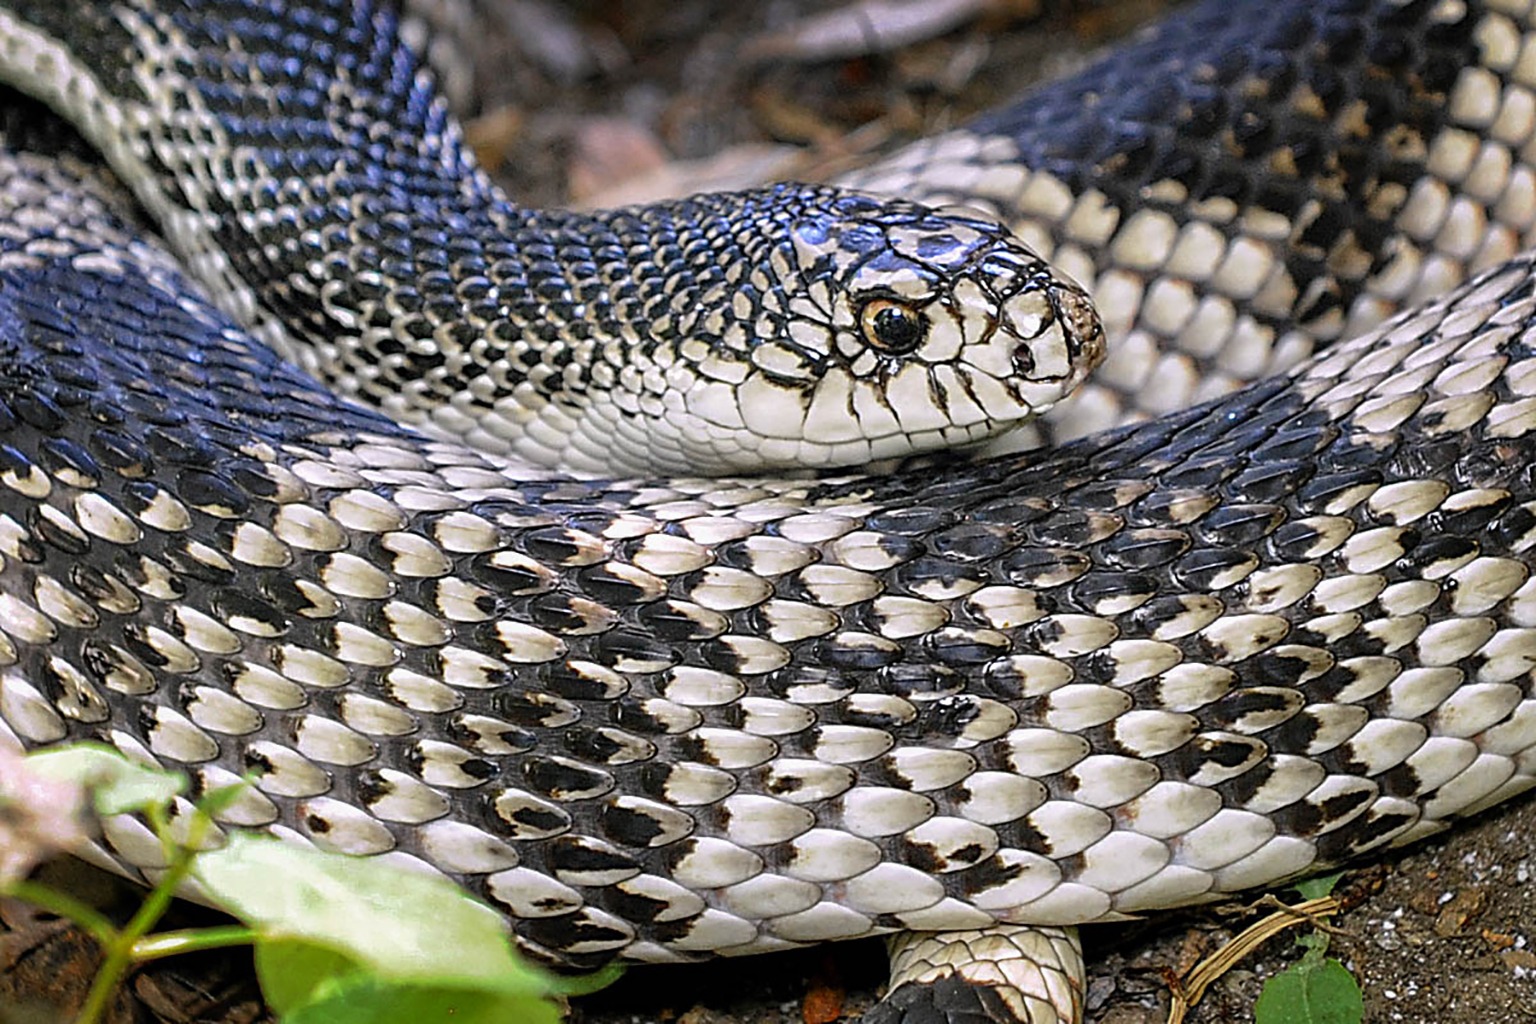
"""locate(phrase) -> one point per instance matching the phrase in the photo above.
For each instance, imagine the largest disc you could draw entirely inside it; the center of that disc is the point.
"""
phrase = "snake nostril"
(1024, 360)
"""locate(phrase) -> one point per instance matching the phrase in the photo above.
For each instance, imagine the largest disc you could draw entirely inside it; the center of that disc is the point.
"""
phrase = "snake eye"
(892, 327)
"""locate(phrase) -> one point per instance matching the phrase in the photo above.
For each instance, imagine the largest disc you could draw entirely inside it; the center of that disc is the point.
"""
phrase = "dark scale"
(1239, 524)
(857, 652)
(1201, 569)
(921, 680)
(1066, 528)
(639, 649)
(1201, 474)
(1141, 549)
(959, 648)
(577, 857)
(1292, 541)
(1099, 592)
(1231, 760)
(1044, 567)
(1269, 481)
(563, 779)
(607, 746)
(1345, 844)
(1441, 554)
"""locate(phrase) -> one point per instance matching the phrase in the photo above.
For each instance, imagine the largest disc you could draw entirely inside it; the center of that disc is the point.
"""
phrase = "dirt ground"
(592, 102)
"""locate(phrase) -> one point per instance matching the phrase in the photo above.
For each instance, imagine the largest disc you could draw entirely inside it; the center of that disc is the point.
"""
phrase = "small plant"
(337, 939)
(1316, 989)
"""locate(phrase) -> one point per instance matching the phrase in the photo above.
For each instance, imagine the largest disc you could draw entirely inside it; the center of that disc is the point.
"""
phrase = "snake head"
(871, 329)
(791, 327)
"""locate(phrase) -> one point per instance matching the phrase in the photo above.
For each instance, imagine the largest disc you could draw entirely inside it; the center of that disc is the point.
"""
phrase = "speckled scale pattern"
(1247, 181)
(1221, 130)
(719, 333)
(674, 718)
(1006, 974)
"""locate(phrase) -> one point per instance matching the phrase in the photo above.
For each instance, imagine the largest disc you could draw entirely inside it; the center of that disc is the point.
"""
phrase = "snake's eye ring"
(892, 327)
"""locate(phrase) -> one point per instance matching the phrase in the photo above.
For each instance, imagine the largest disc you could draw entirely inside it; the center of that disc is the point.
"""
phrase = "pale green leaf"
(405, 926)
(116, 784)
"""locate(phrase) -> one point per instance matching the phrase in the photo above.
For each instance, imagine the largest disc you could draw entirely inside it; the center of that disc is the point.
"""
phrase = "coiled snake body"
(676, 717)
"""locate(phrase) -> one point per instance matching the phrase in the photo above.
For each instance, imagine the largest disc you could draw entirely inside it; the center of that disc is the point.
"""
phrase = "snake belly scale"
(680, 717)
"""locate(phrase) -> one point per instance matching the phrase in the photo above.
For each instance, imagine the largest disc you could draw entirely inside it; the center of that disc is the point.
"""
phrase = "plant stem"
(67, 907)
(191, 940)
(120, 950)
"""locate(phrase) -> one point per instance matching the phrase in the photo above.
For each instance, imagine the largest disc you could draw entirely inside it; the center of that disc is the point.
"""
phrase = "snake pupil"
(893, 327)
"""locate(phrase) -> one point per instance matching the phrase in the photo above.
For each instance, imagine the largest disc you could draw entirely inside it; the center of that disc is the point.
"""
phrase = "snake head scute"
(877, 328)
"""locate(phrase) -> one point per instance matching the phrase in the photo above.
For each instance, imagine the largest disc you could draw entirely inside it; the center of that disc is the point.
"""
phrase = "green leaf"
(116, 784)
(294, 971)
(1317, 888)
(407, 927)
(1315, 950)
(221, 798)
(1326, 994)
(368, 1000)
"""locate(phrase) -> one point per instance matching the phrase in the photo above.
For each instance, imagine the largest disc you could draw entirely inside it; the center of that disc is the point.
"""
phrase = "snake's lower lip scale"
(1273, 612)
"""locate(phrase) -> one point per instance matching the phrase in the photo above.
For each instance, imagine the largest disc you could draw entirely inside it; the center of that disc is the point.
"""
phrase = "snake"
(449, 518)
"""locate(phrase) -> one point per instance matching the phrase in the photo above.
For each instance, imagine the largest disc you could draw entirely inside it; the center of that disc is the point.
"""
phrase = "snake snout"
(1057, 341)
(1060, 337)
(1081, 326)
